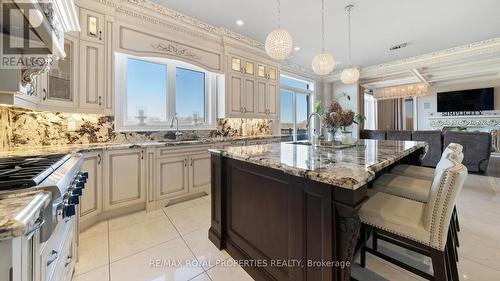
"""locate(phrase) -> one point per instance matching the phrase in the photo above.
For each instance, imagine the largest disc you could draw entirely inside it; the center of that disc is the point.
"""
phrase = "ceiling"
(427, 25)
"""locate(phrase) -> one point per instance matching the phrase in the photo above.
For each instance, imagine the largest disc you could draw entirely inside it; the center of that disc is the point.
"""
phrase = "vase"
(343, 137)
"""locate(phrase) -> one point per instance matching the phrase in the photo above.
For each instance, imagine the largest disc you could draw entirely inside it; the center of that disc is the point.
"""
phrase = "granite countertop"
(29, 151)
(349, 168)
(19, 211)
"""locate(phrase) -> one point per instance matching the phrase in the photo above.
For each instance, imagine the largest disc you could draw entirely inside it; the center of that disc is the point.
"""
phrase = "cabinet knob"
(100, 100)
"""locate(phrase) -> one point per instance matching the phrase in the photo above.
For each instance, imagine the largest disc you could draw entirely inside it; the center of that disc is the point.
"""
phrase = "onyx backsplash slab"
(23, 128)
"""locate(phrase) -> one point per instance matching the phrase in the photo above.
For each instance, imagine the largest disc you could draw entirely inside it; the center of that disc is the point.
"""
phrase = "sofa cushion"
(434, 139)
(399, 135)
(476, 148)
(372, 134)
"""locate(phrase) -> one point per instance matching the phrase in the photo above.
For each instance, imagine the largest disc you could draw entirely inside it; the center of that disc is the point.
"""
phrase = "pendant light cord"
(279, 14)
(323, 26)
(349, 31)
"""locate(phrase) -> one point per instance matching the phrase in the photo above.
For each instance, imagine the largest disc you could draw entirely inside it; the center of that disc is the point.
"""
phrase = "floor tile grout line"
(474, 261)
(109, 253)
(187, 245)
(142, 250)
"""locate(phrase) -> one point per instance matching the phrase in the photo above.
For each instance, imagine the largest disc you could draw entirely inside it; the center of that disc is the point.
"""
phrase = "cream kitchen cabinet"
(124, 178)
(58, 88)
(92, 26)
(92, 75)
(252, 89)
(182, 172)
(91, 200)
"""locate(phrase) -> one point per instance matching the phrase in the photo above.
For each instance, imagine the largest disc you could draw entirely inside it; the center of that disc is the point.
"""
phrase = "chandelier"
(349, 75)
(279, 42)
(323, 63)
(403, 91)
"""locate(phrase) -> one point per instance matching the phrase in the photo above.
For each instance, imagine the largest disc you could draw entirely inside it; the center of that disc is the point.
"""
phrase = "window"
(151, 91)
(295, 106)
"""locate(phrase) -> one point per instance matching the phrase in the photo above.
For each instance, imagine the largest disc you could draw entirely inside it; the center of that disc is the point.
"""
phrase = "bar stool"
(417, 226)
(414, 183)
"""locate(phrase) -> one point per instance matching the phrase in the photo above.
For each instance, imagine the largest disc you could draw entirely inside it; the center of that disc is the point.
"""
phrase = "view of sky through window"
(146, 90)
(190, 96)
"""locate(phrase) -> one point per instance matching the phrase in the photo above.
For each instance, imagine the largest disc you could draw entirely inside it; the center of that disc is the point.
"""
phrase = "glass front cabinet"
(59, 85)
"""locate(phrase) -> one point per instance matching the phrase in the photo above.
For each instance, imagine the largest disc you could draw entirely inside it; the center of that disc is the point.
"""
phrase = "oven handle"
(38, 223)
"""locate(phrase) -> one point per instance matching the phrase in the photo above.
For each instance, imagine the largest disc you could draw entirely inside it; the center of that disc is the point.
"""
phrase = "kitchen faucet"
(309, 122)
(177, 133)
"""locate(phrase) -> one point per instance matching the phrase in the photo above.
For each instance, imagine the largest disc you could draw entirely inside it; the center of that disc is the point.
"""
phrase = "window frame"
(310, 93)
(211, 92)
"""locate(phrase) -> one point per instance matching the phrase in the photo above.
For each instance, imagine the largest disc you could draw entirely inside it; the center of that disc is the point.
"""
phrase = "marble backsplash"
(23, 128)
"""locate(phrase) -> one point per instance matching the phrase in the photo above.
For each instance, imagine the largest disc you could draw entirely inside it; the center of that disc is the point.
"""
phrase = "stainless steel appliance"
(55, 246)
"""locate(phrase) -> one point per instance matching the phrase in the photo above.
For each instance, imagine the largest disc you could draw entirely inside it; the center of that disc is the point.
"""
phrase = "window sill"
(130, 129)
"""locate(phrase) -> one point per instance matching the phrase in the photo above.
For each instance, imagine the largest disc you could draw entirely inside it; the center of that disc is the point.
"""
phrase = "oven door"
(57, 256)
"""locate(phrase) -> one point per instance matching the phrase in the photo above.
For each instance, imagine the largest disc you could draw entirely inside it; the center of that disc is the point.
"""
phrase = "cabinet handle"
(100, 100)
(245, 108)
(98, 159)
(100, 35)
(55, 256)
(44, 94)
(68, 261)
(142, 154)
(191, 162)
(38, 223)
(185, 162)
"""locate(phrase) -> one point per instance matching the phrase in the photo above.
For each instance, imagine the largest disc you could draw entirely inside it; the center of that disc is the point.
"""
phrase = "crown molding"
(467, 51)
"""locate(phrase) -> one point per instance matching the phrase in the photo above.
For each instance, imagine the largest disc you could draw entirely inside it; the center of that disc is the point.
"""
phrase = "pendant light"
(323, 63)
(279, 43)
(349, 75)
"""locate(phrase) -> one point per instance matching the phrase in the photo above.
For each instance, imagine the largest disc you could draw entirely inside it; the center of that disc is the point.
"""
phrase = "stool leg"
(453, 257)
(455, 215)
(375, 241)
(439, 265)
(362, 256)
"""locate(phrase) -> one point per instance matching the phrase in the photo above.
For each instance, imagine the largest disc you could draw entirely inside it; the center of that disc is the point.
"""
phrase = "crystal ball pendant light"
(349, 75)
(279, 42)
(324, 63)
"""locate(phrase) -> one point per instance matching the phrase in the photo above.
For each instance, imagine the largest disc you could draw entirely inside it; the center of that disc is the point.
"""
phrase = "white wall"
(328, 91)
(430, 100)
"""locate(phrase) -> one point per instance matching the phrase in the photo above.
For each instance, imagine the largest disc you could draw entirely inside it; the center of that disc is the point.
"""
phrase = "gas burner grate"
(25, 172)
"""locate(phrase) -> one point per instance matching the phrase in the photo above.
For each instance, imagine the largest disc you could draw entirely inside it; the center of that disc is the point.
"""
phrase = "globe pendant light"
(279, 43)
(349, 75)
(323, 63)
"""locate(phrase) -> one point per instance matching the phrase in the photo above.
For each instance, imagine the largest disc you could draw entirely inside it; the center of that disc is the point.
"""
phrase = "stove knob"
(69, 210)
(84, 175)
(74, 199)
(76, 192)
(79, 184)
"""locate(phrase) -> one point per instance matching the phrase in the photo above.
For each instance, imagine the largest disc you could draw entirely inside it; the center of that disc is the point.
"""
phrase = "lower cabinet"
(124, 181)
(181, 172)
(91, 200)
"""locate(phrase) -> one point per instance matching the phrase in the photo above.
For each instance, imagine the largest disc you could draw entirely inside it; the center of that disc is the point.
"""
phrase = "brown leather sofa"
(477, 145)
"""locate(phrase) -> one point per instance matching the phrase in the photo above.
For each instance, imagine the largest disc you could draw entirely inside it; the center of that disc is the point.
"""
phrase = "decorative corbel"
(28, 75)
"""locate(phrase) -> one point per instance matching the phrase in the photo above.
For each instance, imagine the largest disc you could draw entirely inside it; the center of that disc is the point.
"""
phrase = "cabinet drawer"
(182, 150)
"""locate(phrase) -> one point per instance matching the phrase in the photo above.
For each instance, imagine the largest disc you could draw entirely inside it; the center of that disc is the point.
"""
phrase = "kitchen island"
(288, 211)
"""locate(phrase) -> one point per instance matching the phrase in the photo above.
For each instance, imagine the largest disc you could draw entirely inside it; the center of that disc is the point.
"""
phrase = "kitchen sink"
(300, 143)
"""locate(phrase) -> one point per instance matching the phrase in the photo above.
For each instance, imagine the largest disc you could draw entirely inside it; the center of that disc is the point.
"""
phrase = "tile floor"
(172, 244)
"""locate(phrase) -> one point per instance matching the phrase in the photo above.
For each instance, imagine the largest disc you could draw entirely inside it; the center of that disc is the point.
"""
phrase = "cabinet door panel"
(172, 177)
(249, 106)
(236, 88)
(200, 172)
(272, 100)
(91, 200)
(92, 65)
(92, 25)
(124, 178)
(261, 97)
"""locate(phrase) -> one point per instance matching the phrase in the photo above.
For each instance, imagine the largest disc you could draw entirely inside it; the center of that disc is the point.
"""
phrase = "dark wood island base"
(282, 226)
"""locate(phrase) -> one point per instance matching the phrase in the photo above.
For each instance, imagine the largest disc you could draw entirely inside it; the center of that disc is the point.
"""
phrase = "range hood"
(38, 26)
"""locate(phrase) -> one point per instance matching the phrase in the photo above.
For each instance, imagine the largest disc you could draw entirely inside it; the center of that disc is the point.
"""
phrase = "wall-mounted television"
(466, 100)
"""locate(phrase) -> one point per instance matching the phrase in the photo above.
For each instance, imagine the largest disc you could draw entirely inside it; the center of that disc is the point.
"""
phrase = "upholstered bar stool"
(414, 182)
(417, 226)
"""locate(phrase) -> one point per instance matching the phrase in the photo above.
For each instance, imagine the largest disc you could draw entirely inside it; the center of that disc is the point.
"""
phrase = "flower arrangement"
(335, 117)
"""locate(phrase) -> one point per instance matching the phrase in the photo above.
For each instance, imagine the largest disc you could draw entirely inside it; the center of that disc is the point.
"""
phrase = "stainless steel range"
(57, 173)
(51, 254)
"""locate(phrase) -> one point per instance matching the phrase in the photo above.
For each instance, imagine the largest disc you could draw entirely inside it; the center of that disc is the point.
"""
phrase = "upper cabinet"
(252, 89)
(92, 75)
(92, 26)
(59, 86)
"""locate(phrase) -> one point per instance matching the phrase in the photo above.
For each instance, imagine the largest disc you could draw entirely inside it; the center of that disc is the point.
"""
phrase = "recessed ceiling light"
(296, 48)
(240, 22)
